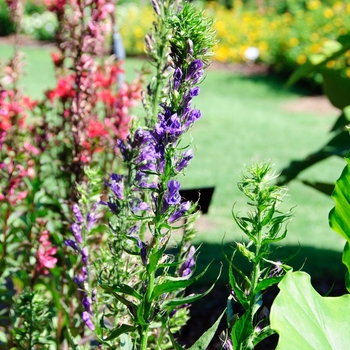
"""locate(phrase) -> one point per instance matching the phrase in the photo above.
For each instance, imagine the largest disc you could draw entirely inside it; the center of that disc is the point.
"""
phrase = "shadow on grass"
(325, 267)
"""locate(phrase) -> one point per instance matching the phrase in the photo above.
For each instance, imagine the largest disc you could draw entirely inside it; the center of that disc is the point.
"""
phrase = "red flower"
(96, 129)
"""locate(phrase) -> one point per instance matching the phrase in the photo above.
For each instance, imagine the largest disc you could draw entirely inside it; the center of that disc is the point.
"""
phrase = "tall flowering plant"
(135, 289)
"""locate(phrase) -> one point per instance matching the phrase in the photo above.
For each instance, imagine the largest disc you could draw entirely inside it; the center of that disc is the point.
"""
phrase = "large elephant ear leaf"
(305, 320)
(339, 217)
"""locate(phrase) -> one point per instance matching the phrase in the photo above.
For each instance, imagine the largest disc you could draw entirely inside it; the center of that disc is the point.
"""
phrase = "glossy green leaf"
(172, 303)
(241, 330)
(305, 320)
(177, 283)
(121, 288)
(339, 218)
(116, 332)
(346, 262)
(203, 342)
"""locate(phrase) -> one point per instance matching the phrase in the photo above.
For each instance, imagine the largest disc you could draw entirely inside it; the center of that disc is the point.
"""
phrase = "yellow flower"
(348, 8)
(347, 71)
(342, 31)
(330, 64)
(293, 42)
(301, 59)
(338, 6)
(328, 13)
(313, 5)
(314, 37)
(328, 28)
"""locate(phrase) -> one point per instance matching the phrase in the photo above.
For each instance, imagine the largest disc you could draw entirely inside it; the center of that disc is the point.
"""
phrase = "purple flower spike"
(87, 319)
(143, 252)
(87, 304)
(186, 157)
(72, 244)
(85, 255)
(77, 213)
(77, 232)
(156, 7)
(177, 78)
(195, 71)
(178, 214)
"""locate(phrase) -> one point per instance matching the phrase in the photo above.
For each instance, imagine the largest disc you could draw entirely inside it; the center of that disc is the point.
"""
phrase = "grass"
(244, 120)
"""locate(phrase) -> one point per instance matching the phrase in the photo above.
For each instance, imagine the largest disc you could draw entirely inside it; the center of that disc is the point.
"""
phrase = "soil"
(206, 311)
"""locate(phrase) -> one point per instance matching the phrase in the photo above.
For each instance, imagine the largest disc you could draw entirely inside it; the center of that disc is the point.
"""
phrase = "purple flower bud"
(85, 255)
(186, 267)
(94, 295)
(194, 92)
(186, 157)
(80, 279)
(189, 48)
(138, 205)
(192, 116)
(91, 219)
(195, 71)
(116, 185)
(77, 232)
(177, 78)
(185, 206)
(143, 252)
(72, 244)
(156, 7)
(87, 304)
(77, 213)
(172, 195)
(87, 319)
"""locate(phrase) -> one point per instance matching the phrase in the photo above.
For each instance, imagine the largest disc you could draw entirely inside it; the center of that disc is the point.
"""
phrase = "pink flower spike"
(45, 253)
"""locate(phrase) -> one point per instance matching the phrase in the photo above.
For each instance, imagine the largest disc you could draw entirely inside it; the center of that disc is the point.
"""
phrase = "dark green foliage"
(7, 27)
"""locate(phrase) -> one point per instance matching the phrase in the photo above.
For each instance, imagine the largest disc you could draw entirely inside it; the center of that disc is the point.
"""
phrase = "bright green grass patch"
(244, 120)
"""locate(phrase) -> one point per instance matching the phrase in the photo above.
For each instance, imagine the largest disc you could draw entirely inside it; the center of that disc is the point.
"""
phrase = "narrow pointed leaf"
(122, 288)
(203, 342)
(173, 284)
(116, 332)
(170, 304)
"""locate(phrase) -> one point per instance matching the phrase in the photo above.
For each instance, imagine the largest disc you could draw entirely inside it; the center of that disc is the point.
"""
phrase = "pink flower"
(45, 253)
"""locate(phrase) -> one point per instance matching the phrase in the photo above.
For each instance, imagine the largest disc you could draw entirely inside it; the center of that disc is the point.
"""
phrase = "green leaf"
(116, 332)
(170, 304)
(336, 87)
(339, 218)
(125, 342)
(122, 288)
(267, 282)
(173, 284)
(346, 262)
(203, 342)
(241, 330)
(305, 320)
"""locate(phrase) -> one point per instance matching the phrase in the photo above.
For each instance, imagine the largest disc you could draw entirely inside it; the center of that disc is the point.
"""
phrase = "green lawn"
(243, 120)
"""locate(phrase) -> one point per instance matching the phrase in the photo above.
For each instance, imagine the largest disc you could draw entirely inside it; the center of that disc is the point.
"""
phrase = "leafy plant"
(336, 86)
(263, 226)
